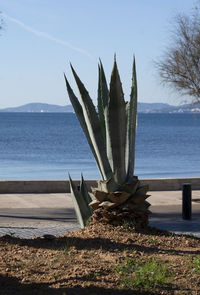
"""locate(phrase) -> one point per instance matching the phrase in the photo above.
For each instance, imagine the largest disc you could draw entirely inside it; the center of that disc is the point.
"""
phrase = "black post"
(187, 201)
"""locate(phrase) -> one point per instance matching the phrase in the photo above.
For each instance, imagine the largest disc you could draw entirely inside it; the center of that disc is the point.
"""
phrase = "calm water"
(48, 146)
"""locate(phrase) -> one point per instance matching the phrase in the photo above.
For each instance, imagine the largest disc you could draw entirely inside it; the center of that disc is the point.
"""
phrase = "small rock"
(49, 237)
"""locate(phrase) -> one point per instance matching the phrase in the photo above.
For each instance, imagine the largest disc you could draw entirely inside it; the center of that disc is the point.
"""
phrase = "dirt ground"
(100, 259)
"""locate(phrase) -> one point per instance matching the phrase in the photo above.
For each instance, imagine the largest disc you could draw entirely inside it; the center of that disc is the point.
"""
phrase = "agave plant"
(110, 131)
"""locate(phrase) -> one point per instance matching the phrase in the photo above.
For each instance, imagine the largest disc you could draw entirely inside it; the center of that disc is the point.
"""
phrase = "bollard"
(187, 201)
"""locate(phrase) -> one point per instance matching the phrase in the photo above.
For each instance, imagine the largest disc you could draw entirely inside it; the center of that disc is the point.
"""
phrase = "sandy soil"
(89, 261)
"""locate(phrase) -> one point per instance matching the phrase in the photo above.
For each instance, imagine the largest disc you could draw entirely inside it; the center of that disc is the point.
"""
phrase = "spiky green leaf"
(103, 96)
(85, 193)
(131, 109)
(94, 128)
(100, 107)
(82, 210)
(79, 113)
(116, 127)
(107, 185)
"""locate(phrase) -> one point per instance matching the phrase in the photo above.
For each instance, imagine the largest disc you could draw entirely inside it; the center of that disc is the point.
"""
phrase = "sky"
(41, 38)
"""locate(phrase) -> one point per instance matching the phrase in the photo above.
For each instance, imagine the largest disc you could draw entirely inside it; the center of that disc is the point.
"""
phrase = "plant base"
(118, 217)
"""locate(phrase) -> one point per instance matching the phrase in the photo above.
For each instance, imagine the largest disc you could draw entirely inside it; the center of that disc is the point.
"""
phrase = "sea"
(51, 145)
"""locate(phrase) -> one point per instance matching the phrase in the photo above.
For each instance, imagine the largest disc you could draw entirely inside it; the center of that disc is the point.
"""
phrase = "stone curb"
(62, 186)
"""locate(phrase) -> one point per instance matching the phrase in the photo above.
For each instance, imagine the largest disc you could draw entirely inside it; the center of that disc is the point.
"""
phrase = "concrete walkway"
(32, 215)
(166, 210)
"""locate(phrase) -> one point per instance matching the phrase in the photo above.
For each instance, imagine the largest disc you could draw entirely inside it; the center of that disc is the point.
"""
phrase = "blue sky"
(41, 37)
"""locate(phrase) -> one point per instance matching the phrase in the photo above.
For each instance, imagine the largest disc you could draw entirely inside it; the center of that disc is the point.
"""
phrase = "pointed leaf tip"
(100, 62)
(69, 177)
(73, 71)
(115, 68)
(67, 83)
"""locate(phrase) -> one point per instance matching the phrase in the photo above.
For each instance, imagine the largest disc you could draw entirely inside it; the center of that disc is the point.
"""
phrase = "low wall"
(62, 186)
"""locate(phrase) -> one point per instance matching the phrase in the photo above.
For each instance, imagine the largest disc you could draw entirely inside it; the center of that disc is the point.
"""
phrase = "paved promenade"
(33, 215)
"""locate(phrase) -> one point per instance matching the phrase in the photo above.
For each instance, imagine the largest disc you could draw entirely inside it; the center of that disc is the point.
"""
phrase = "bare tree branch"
(1, 22)
(180, 65)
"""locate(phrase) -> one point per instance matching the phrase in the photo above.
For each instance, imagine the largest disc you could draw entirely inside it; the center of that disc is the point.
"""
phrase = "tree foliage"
(1, 22)
(180, 65)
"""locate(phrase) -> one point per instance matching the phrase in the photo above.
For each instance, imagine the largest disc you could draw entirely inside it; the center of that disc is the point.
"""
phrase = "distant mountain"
(40, 108)
(142, 108)
(152, 107)
(166, 108)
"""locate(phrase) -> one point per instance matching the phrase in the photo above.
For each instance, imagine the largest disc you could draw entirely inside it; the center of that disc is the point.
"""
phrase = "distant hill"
(152, 107)
(142, 108)
(40, 108)
(166, 108)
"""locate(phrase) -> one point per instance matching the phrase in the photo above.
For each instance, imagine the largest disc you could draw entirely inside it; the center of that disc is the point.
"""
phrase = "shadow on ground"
(105, 244)
(37, 214)
(12, 286)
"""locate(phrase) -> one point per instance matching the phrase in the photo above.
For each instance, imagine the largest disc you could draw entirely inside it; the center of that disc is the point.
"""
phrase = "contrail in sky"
(46, 35)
